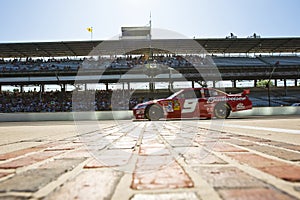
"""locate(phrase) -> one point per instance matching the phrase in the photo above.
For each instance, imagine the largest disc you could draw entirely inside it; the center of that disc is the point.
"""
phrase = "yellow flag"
(89, 29)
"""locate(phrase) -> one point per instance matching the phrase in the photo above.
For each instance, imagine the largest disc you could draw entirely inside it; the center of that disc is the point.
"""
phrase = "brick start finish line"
(147, 160)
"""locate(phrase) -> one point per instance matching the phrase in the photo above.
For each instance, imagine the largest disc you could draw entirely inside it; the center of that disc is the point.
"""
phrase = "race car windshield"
(175, 94)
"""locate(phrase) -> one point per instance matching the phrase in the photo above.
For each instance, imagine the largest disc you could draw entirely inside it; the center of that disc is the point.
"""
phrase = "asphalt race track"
(255, 157)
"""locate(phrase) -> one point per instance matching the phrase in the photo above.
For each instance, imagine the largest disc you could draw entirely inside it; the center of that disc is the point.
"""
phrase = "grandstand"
(58, 63)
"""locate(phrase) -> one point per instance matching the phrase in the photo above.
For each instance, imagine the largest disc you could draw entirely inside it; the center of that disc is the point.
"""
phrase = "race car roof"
(217, 46)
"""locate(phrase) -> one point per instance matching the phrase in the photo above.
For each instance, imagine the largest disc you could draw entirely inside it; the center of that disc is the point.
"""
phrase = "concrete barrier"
(126, 115)
(268, 111)
(65, 116)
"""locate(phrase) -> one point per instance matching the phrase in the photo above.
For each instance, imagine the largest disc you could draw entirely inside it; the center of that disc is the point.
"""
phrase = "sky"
(67, 20)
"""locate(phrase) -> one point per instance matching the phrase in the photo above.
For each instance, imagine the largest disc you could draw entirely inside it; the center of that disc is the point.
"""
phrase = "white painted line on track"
(279, 130)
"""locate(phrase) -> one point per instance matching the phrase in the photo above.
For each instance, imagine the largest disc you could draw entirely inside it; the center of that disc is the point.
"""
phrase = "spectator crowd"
(58, 101)
(124, 62)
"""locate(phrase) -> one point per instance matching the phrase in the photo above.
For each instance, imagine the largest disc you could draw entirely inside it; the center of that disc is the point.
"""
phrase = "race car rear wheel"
(154, 112)
(222, 110)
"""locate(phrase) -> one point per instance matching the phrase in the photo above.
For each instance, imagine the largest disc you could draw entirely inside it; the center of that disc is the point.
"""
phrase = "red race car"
(194, 103)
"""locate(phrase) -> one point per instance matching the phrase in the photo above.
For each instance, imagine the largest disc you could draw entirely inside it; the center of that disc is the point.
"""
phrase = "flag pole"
(91, 33)
(90, 29)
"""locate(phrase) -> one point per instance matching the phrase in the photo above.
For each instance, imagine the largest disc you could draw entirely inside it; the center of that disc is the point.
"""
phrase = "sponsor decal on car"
(240, 106)
(176, 105)
(169, 107)
(218, 99)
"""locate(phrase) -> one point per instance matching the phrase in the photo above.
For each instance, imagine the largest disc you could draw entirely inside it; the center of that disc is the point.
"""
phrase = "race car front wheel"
(222, 110)
(154, 112)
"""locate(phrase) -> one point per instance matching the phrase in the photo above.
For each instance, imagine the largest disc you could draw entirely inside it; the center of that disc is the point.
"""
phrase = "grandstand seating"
(238, 61)
(278, 96)
(49, 102)
(283, 60)
(15, 66)
(121, 63)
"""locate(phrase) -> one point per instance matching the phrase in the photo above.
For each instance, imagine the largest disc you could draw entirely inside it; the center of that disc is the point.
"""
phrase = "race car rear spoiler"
(246, 92)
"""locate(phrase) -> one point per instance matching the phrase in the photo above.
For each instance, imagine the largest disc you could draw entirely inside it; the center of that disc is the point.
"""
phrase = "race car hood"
(145, 104)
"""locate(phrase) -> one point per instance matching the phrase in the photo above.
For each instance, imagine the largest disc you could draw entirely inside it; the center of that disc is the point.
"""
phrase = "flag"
(89, 29)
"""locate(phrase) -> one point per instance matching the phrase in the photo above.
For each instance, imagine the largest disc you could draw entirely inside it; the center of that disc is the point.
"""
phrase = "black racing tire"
(222, 110)
(154, 112)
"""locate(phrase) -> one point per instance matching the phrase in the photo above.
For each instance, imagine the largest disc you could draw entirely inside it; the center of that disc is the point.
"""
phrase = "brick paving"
(28, 160)
(254, 194)
(98, 184)
(151, 160)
